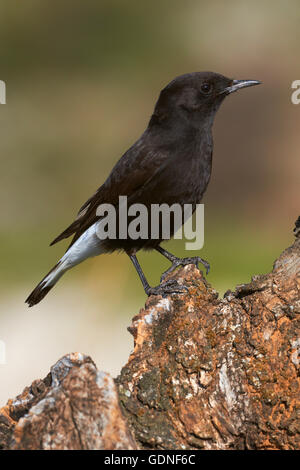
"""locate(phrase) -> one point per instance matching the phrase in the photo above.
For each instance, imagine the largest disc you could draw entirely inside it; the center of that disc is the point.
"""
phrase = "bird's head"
(194, 98)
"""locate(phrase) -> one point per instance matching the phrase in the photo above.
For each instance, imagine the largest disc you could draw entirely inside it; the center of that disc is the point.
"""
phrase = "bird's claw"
(185, 261)
(169, 287)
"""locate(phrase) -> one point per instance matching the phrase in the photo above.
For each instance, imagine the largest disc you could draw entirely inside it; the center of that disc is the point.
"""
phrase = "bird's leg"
(180, 262)
(169, 287)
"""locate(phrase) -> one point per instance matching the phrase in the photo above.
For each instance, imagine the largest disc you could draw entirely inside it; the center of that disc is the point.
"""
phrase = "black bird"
(170, 163)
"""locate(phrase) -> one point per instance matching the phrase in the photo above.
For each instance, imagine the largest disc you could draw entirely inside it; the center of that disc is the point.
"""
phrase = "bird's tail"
(86, 246)
(47, 283)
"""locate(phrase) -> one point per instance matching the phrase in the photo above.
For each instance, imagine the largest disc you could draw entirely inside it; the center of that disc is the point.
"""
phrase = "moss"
(161, 328)
(148, 388)
(212, 337)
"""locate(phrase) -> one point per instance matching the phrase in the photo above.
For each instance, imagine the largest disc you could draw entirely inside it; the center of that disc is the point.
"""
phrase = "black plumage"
(170, 163)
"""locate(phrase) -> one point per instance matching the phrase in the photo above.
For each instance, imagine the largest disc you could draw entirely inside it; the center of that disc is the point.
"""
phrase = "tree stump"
(205, 373)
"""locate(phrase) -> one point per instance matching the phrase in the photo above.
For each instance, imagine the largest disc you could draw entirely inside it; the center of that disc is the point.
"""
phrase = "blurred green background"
(82, 78)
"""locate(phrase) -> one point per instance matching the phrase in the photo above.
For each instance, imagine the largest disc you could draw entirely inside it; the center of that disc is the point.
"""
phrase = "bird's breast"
(185, 178)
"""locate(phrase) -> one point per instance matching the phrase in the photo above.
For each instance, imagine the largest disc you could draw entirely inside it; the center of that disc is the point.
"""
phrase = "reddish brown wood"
(205, 373)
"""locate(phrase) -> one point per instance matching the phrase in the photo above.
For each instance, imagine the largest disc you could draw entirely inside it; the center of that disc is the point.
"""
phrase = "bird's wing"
(135, 168)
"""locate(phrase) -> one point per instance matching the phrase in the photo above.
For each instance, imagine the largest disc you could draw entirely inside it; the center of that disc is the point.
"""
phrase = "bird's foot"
(169, 287)
(176, 262)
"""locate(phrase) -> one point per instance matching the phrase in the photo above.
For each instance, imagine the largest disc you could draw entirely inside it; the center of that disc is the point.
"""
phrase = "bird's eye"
(206, 87)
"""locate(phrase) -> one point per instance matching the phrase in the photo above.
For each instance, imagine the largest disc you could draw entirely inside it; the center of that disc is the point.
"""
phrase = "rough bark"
(205, 373)
(74, 407)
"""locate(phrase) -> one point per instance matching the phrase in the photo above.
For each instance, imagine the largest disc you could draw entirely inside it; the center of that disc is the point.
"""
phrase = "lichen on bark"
(205, 373)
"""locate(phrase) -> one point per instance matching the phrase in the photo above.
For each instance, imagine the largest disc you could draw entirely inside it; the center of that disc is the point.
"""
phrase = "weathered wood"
(74, 407)
(205, 373)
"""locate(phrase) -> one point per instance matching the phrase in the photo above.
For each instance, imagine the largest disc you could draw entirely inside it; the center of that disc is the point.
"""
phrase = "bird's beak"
(238, 84)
